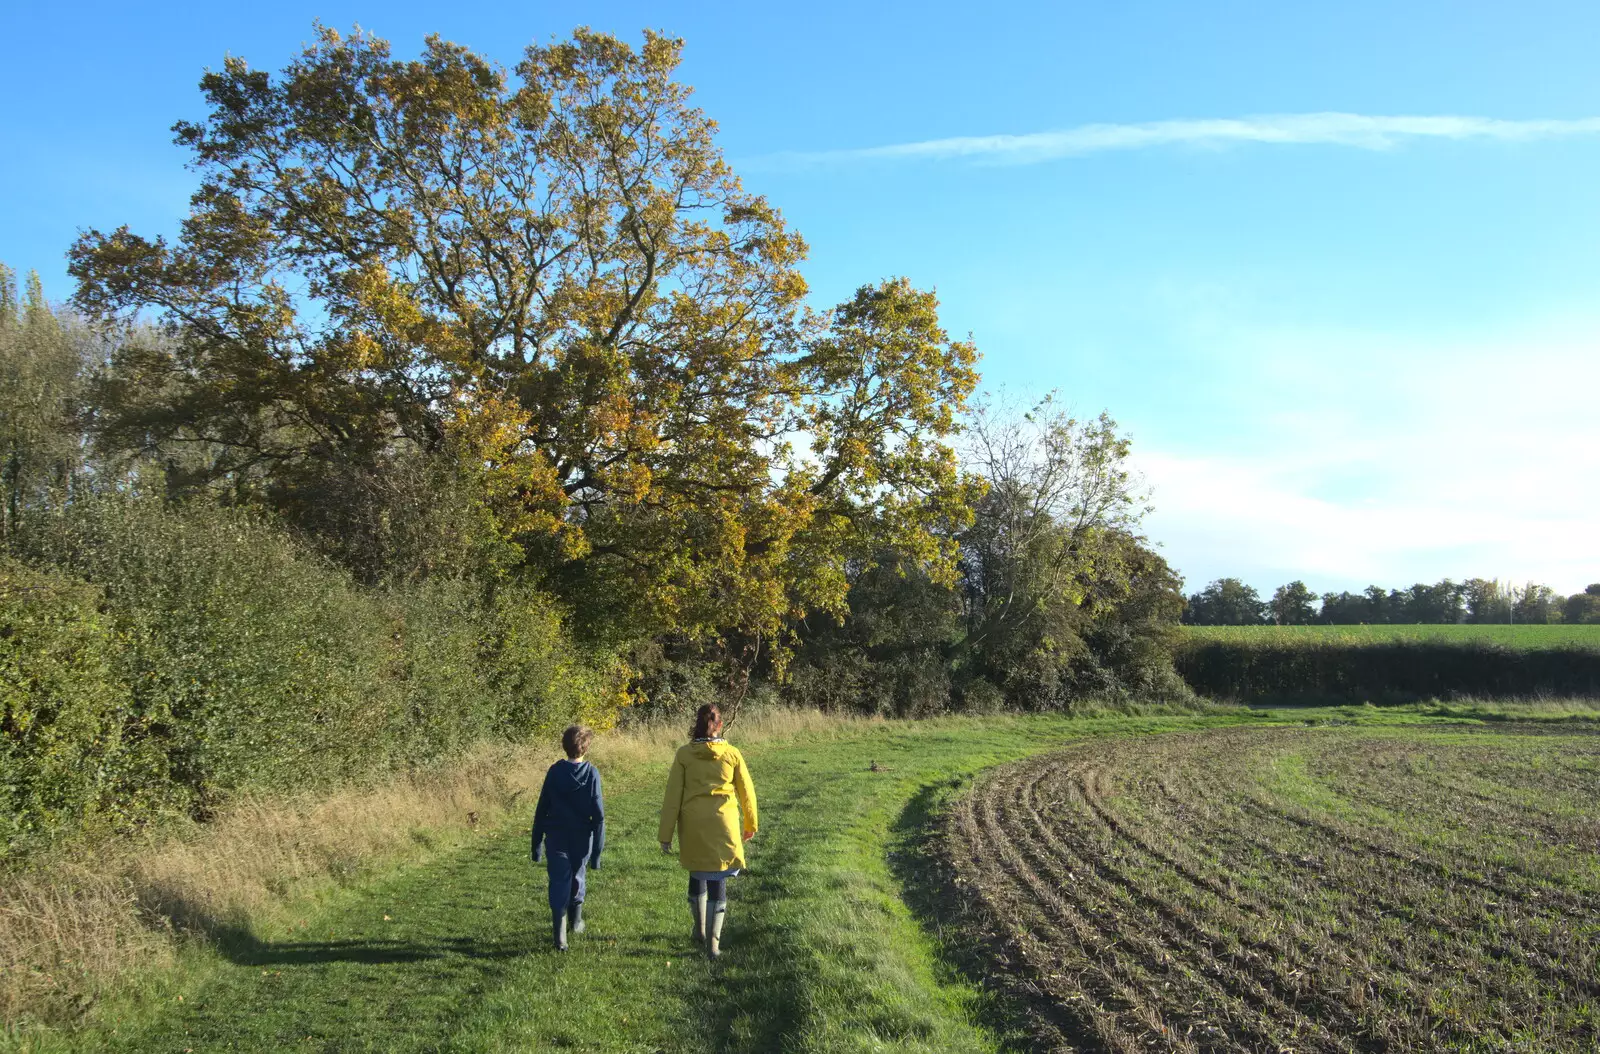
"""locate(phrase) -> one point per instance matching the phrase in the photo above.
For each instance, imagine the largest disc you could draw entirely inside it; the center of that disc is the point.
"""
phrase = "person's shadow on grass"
(246, 949)
(241, 946)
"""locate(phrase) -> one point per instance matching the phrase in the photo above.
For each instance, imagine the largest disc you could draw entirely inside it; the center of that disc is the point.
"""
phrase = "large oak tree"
(551, 278)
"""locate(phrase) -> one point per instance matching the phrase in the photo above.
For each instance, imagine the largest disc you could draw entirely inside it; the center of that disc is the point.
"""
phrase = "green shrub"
(250, 661)
(474, 663)
(539, 680)
(892, 654)
(444, 698)
(201, 650)
(62, 753)
(672, 677)
(978, 696)
(914, 684)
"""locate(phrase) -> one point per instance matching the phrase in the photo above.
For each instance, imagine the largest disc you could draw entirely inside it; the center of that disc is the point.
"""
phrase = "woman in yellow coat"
(708, 776)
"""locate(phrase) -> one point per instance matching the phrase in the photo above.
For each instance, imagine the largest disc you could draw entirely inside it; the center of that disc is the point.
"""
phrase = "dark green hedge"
(1312, 670)
(249, 661)
(158, 658)
(66, 746)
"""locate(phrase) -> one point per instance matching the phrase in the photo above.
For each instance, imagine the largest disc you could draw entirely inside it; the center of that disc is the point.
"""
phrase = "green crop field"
(1511, 636)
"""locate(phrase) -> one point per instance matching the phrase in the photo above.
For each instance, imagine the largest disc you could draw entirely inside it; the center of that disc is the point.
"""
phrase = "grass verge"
(100, 922)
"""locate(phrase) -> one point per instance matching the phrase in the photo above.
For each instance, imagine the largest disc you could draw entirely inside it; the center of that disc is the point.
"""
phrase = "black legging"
(715, 889)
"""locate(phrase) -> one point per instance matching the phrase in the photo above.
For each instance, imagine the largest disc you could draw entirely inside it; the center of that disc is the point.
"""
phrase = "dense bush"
(911, 646)
(249, 661)
(437, 694)
(470, 663)
(891, 655)
(537, 678)
(1312, 669)
(201, 650)
(66, 746)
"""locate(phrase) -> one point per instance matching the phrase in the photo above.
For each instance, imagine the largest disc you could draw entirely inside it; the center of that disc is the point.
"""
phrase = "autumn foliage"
(550, 276)
(470, 400)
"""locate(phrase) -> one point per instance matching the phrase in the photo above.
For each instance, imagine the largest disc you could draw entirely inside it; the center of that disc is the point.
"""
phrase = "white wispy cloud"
(1394, 461)
(1363, 131)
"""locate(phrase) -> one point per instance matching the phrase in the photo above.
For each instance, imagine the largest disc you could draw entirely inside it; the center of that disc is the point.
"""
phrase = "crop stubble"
(1343, 890)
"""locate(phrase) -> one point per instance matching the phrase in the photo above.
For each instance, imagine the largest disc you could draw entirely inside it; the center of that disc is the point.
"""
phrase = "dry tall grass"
(72, 927)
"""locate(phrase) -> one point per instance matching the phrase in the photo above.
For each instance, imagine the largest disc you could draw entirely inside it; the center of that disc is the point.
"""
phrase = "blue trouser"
(715, 890)
(568, 879)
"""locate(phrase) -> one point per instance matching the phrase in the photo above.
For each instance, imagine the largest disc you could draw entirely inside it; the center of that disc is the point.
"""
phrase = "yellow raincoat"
(705, 780)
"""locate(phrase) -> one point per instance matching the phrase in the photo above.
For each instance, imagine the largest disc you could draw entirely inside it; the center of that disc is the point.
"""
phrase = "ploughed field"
(1337, 889)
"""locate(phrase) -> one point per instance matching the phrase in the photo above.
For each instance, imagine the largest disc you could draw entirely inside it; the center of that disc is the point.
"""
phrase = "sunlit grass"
(430, 931)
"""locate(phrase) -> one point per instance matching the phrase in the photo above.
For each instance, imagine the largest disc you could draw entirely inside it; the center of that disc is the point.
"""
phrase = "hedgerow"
(67, 744)
(159, 657)
(1318, 669)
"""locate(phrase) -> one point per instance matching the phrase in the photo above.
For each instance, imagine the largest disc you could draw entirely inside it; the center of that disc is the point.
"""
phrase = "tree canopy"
(1226, 602)
(1291, 604)
(43, 360)
(550, 280)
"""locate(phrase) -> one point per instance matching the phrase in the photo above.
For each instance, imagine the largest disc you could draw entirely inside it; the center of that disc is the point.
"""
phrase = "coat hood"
(576, 776)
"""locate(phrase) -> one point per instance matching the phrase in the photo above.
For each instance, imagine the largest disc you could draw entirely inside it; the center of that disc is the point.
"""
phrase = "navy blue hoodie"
(571, 816)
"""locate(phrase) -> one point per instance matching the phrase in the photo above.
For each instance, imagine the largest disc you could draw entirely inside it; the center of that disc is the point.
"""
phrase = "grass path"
(822, 953)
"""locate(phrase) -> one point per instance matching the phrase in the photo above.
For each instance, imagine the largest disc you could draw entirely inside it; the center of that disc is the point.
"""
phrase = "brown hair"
(707, 722)
(575, 740)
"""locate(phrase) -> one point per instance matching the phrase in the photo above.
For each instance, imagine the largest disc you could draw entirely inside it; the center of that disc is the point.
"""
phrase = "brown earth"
(1298, 890)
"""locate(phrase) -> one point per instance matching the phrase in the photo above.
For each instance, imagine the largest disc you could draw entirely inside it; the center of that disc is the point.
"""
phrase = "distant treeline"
(1229, 602)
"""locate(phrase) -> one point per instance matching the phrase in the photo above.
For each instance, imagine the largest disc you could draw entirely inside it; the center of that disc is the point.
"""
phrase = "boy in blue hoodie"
(570, 822)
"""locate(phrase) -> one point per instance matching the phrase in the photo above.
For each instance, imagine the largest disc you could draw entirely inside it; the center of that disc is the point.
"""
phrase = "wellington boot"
(697, 912)
(714, 933)
(575, 917)
(558, 929)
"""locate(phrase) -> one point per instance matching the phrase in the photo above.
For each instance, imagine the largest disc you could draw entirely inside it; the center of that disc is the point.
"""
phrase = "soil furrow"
(1252, 890)
(1181, 930)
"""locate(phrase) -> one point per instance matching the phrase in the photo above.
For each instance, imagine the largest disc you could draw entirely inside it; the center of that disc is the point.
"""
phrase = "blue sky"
(1353, 342)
